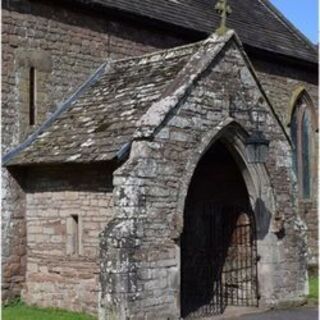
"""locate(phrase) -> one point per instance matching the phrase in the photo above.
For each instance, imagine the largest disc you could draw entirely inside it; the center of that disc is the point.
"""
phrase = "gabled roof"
(257, 22)
(125, 100)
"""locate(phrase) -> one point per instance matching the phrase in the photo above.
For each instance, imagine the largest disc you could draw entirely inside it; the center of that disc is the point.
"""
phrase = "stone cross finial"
(224, 10)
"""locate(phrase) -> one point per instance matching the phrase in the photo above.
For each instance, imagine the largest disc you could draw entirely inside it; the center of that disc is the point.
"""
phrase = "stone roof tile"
(105, 116)
(257, 22)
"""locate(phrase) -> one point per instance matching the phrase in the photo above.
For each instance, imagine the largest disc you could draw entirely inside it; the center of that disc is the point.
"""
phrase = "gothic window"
(306, 152)
(301, 135)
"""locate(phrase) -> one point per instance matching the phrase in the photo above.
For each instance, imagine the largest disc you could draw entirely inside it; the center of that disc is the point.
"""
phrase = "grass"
(20, 311)
(314, 288)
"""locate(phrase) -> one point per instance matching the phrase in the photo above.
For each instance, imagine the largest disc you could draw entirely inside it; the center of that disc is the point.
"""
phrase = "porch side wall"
(55, 276)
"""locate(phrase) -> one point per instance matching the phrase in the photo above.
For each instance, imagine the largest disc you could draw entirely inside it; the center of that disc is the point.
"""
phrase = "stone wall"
(140, 248)
(67, 50)
(13, 235)
(65, 45)
(56, 276)
(280, 83)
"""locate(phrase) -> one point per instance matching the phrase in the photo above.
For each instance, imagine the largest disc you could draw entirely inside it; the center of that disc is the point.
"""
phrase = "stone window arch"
(302, 128)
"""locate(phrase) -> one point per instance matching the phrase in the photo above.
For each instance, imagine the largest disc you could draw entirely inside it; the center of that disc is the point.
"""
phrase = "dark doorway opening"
(218, 243)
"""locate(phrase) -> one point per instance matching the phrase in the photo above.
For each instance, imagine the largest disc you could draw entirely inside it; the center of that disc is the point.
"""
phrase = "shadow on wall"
(263, 219)
(96, 177)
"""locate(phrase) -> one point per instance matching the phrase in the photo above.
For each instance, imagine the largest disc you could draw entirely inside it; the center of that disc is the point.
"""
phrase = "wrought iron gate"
(218, 260)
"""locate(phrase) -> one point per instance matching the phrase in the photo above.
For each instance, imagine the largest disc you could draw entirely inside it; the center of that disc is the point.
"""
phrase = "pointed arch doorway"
(218, 243)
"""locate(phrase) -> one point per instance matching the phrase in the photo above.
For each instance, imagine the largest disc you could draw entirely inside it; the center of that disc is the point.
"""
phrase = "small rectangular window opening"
(73, 235)
(32, 96)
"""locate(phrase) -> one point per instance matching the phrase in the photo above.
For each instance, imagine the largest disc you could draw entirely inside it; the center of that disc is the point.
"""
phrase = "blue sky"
(303, 14)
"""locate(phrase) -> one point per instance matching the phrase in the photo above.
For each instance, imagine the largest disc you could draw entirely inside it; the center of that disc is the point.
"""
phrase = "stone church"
(159, 158)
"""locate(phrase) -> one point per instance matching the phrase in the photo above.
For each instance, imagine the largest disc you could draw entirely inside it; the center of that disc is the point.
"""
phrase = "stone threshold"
(236, 312)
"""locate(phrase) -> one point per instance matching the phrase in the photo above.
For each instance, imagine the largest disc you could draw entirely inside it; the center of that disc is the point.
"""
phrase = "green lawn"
(22, 312)
(314, 288)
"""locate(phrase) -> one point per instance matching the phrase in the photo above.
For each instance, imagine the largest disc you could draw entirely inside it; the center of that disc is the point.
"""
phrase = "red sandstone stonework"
(73, 47)
(66, 46)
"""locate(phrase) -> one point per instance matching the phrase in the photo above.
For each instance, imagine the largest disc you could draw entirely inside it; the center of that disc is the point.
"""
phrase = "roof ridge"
(288, 24)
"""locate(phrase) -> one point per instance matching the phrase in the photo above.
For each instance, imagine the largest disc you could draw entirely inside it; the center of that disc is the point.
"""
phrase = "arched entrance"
(218, 243)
